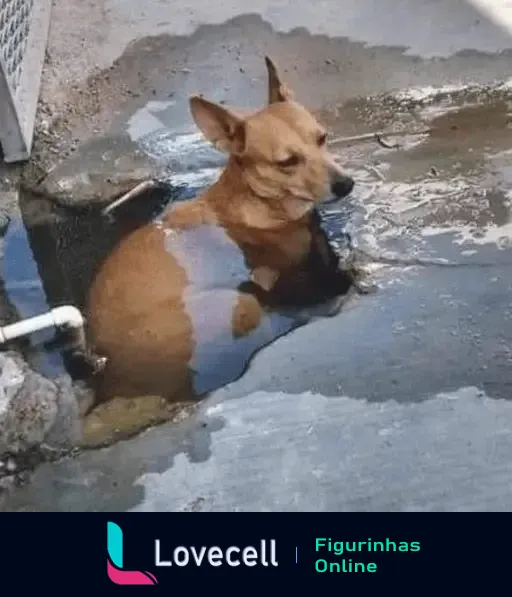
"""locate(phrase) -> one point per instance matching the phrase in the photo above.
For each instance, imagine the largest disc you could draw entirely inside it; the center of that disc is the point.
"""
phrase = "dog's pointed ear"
(277, 91)
(221, 127)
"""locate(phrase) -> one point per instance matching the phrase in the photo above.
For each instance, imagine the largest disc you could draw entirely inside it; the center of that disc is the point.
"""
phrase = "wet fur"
(265, 203)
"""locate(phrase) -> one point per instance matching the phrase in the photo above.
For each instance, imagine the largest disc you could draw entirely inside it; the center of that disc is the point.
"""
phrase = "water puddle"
(52, 261)
(444, 195)
(23, 293)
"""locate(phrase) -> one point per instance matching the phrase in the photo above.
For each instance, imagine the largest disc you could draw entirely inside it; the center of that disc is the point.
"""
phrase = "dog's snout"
(342, 186)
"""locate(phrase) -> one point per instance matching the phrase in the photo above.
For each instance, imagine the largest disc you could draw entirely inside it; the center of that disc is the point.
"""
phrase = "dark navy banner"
(148, 552)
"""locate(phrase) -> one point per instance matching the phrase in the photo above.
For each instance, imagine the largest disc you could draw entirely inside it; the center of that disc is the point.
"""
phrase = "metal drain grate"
(23, 35)
(14, 28)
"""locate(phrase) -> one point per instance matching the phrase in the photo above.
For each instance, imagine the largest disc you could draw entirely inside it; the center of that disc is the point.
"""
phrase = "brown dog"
(181, 305)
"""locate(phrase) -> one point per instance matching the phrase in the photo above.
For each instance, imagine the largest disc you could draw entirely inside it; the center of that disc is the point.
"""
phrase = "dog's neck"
(233, 200)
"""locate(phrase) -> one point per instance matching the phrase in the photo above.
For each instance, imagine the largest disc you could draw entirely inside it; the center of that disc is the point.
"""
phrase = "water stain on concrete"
(223, 61)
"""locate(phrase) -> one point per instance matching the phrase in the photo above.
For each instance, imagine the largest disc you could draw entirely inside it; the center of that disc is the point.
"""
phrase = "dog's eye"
(293, 160)
(322, 139)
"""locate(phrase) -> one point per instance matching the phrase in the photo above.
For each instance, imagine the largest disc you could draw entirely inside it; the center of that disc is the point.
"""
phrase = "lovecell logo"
(115, 570)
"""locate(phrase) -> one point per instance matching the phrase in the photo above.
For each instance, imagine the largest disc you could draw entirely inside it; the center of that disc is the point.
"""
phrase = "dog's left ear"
(277, 91)
(223, 128)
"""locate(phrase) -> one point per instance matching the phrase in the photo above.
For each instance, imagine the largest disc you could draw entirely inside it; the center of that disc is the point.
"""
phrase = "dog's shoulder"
(189, 214)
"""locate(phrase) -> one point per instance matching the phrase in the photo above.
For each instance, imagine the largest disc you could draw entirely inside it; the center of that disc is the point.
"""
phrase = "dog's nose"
(341, 186)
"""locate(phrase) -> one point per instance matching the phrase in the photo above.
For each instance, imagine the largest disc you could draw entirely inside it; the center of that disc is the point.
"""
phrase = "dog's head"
(281, 149)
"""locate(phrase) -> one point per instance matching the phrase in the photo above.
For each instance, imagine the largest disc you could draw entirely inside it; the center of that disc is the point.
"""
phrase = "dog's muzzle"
(341, 186)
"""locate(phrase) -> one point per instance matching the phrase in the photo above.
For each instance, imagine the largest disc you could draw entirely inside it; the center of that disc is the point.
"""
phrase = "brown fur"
(264, 207)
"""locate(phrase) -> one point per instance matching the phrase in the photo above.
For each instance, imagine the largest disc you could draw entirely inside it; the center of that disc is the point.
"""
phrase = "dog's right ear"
(277, 90)
(221, 127)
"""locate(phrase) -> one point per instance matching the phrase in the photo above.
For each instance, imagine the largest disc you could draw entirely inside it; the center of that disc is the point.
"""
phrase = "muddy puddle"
(444, 196)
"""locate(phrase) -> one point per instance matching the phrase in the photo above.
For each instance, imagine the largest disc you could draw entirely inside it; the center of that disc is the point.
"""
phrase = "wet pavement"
(400, 402)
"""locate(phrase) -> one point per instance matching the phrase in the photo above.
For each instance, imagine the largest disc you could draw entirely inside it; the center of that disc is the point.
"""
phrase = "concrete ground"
(402, 402)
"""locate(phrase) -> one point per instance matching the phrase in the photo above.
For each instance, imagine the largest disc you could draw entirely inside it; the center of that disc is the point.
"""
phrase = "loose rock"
(35, 412)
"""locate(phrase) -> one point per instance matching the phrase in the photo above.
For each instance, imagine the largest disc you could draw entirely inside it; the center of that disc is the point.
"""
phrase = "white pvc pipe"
(65, 316)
